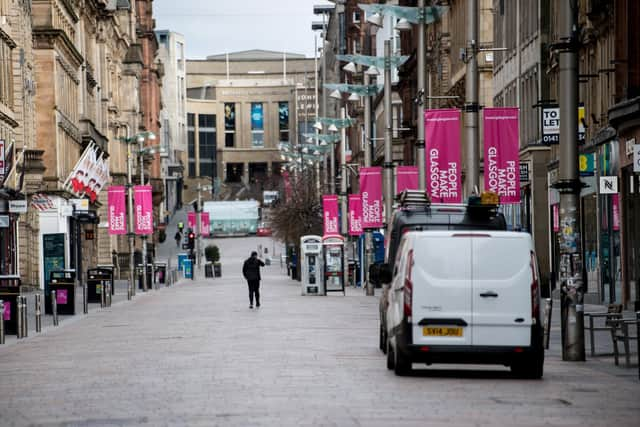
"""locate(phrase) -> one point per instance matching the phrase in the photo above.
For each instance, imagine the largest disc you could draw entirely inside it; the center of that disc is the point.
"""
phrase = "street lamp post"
(131, 291)
(368, 233)
(420, 144)
(143, 237)
(472, 106)
(388, 123)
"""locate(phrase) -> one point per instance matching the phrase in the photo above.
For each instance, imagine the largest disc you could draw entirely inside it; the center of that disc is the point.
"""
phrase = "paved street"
(194, 354)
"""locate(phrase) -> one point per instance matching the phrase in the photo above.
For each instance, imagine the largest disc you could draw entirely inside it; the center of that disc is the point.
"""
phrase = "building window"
(229, 124)
(257, 124)
(283, 121)
(207, 144)
(356, 17)
(191, 143)
(6, 71)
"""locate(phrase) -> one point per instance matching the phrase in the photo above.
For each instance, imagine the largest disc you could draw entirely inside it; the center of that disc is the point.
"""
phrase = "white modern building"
(173, 116)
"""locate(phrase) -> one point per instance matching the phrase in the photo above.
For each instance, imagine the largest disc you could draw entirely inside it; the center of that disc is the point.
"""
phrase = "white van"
(465, 297)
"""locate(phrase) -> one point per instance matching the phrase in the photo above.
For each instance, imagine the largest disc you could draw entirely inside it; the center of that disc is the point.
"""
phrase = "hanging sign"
(636, 158)
(143, 207)
(18, 206)
(406, 178)
(442, 134)
(371, 194)
(330, 215)
(501, 160)
(355, 215)
(116, 210)
(90, 174)
(608, 185)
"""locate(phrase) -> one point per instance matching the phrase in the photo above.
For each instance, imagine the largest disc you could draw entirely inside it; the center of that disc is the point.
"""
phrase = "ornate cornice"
(46, 38)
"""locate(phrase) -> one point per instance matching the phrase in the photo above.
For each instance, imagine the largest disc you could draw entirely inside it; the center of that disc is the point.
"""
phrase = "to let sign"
(551, 125)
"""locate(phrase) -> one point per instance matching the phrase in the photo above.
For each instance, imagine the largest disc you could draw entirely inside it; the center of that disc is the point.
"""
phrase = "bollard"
(1, 322)
(19, 316)
(85, 299)
(54, 308)
(548, 305)
(25, 316)
(103, 295)
(108, 286)
(38, 313)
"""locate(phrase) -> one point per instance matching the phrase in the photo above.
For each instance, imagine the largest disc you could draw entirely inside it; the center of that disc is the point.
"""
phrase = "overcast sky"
(219, 26)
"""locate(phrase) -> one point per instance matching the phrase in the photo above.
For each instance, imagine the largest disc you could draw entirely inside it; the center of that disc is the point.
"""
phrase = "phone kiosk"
(311, 251)
(333, 254)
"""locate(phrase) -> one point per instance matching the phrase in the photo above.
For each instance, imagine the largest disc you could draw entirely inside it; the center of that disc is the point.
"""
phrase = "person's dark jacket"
(251, 268)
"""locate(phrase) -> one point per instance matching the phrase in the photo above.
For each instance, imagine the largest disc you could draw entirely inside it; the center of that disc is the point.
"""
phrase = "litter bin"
(63, 282)
(217, 269)
(97, 281)
(188, 269)
(160, 275)
(181, 258)
(9, 293)
(208, 270)
(149, 276)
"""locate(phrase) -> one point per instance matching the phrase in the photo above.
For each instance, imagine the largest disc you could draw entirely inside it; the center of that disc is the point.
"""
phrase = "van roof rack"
(413, 198)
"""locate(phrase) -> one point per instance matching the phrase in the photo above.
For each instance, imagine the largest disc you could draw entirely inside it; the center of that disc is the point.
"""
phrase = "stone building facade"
(236, 120)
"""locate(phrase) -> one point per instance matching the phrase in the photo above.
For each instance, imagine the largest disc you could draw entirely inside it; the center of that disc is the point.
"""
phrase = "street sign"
(524, 172)
(80, 205)
(18, 206)
(4, 221)
(636, 158)
(608, 185)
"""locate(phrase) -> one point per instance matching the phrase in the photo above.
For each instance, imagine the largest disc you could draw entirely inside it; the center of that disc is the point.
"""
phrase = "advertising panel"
(330, 215)
(501, 159)
(116, 210)
(355, 215)
(143, 208)
(442, 132)
(406, 178)
(371, 194)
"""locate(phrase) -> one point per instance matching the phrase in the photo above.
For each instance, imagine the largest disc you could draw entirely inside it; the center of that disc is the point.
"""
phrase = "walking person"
(251, 272)
(178, 238)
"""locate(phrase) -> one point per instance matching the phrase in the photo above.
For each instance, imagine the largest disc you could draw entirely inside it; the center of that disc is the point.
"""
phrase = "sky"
(220, 26)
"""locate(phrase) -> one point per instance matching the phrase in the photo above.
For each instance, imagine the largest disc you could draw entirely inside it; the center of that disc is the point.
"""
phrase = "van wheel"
(383, 340)
(531, 368)
(390, 357)
(402, 364)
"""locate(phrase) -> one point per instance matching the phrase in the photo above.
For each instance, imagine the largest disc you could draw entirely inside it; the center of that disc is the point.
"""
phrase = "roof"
(254, 55)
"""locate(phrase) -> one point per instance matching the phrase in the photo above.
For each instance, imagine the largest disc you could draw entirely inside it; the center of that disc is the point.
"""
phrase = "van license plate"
(440, 331)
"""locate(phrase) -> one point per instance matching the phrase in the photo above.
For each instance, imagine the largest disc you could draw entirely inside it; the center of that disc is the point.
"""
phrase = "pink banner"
(501, 159)
(615, 199)
(371, 194)
(355, 215)
(442, 134)
(117, 207)
(406, 178)
(556, 217)
(204, 223)
(191, 220)
(143, 205)
(330, 215)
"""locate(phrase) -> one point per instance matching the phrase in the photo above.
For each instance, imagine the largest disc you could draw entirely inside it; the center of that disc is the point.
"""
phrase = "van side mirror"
(384, 274)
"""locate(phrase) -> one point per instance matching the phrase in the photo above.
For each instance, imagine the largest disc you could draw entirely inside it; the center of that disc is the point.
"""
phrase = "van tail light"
(408, 286)
(535, 290)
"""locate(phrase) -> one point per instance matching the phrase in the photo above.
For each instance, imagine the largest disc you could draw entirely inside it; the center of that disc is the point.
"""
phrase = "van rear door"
(441, 280)
(501, 276)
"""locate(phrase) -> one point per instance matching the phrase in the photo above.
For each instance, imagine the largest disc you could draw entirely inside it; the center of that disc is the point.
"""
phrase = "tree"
(298, 213)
